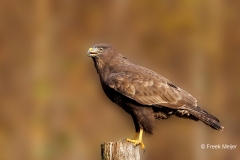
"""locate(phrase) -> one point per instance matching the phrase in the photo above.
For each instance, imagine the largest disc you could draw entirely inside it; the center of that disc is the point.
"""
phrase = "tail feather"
(206, 118)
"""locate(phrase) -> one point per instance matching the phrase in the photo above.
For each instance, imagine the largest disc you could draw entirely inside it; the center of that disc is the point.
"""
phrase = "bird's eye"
(101, 49)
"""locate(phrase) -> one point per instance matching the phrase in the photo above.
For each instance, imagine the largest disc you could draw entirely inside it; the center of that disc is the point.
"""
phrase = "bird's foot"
(137, 140)
(136, 143)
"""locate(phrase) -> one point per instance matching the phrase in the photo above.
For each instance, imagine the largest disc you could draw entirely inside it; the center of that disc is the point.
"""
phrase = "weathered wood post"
(119, 151)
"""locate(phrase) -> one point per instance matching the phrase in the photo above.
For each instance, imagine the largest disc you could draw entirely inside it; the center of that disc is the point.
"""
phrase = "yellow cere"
(90, 49)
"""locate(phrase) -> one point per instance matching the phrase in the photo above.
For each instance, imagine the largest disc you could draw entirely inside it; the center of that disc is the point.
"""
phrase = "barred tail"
(206, 118)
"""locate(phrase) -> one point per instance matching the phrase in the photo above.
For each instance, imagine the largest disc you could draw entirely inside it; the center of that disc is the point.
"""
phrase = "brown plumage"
(142, 93)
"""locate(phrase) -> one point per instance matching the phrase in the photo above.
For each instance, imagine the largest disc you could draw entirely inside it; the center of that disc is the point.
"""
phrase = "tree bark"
(119, 151)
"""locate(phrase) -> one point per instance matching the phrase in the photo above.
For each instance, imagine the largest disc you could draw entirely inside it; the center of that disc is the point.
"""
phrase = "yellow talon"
(137, 139)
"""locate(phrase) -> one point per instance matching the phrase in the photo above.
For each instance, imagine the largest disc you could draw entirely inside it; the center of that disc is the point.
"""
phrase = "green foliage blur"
(52, 106)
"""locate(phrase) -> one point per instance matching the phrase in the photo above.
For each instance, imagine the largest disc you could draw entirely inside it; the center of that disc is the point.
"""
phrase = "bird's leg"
(137, 140)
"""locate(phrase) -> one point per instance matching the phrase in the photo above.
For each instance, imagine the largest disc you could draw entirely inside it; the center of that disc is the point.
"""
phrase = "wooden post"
(119, 151)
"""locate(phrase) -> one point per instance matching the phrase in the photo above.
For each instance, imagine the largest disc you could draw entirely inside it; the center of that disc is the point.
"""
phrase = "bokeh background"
(52, 106)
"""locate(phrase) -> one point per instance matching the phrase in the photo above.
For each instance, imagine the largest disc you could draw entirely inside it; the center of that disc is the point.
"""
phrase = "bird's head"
(98, 50)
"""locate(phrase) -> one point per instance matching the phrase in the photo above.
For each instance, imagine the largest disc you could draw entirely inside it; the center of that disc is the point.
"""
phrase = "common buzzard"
(144, 94)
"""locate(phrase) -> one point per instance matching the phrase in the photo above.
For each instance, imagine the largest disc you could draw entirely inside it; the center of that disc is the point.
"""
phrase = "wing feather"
(148, 88)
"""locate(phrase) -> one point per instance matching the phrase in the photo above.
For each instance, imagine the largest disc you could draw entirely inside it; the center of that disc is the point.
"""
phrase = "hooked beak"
(92, 52)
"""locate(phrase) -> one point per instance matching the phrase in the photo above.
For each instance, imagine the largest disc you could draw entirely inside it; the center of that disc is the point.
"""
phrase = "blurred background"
(52, 106)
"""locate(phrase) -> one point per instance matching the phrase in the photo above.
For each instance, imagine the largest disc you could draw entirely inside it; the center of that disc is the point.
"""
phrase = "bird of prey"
(144, 94)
